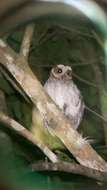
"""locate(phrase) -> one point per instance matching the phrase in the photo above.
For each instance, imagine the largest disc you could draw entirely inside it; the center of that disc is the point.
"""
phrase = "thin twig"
(76, 31)
(84, 81)
(97, 114)
(69, 168)
(80, 63)
(98, 39)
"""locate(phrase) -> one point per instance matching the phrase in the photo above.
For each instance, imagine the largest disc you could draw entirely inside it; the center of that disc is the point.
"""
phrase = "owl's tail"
(95, 113)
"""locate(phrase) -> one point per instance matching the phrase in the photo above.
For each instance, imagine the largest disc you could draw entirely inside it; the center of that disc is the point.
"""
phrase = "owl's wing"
(74, 105)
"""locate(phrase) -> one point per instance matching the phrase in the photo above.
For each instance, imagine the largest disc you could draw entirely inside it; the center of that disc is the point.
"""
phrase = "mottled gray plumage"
(65, 93)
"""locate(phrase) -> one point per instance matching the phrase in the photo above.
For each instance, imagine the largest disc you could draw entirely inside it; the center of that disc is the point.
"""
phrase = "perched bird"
(64, 92)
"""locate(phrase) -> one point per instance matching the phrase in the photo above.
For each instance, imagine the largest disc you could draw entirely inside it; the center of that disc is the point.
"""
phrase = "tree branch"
(12, 124)
(85, 81)
(69, 168)
(25, 46)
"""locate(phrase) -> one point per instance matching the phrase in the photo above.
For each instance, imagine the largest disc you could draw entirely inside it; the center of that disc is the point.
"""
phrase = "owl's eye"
(59, 70)
(69, 73)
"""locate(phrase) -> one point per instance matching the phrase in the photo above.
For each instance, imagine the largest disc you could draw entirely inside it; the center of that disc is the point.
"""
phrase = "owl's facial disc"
(68, 75)
(57, 72)
(62, 72)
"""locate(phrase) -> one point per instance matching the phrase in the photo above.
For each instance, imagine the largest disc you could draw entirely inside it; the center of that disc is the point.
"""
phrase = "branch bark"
(25, 46)
(69, 168)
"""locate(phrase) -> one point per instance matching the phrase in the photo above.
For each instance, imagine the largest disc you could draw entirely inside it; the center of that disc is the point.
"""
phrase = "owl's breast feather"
(56, 92)
(68, 97)
(63, 93)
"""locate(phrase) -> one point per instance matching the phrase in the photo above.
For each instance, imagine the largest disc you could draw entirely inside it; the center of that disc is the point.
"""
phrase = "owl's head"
(61, 72)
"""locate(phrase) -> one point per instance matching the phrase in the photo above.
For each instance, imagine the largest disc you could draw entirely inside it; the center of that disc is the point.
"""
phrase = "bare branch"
(98, 39)
(97, 114)
(78, 31)
(80, 63)
(12, 124)
(69, 168)
(25, 47)
(84, 80)
(59, 124)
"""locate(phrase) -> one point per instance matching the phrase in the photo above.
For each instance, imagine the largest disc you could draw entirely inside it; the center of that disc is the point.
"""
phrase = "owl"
(65, 94)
